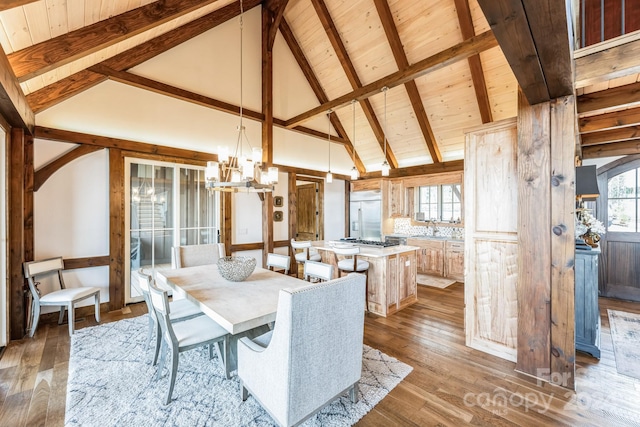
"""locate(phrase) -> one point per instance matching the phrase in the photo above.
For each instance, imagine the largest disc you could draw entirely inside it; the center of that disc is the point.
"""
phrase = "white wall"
(334, 209)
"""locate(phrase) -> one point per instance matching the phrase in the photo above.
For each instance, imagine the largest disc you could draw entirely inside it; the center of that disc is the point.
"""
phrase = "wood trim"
(281, 243)
(35, 60)
(44, 172)
(411, 87)
(247, 246)
(29, 241)
(475, 64)
(616, 163)
(607, 121)
(14, 106)
(563, 241)
(534, 239)
(320, 185)
(607, 44)
(310, 172)
(609, 64)
(278, 16)
(227, 233)
(615, 98)
(622, 148)
(83, 80)
(293, 218)
(15, 238)
(10, 4)
(267, 91)
(352, 76)
(438, 61)
(116, 229)
(627, 133)
(451, 166)
(86, 262)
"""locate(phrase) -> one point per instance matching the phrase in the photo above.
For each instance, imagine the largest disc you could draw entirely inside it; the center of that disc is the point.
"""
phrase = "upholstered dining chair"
(308, 252)
(313, 354)
(278, 262)
(65, 298)
(180, 310)
(346, 258)
(317, 271)
(194, 255)
(184, 336)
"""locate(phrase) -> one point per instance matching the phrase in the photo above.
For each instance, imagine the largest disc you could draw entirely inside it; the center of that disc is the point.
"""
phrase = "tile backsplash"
(403, 226)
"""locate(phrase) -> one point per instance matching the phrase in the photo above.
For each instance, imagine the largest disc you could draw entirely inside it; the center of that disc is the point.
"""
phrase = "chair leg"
(98, 307)
(61, 318)
(353, 393)
(244, 393)
(366, 291)
(172, 378)
(71, 316)
(36, 319)
(223, 355)
(150, 331)
(158, 343)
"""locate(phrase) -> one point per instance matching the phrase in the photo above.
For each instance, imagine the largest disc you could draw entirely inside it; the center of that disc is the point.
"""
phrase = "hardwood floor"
(451, 384)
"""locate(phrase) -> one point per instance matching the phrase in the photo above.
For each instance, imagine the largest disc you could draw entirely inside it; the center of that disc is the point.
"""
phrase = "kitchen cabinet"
(430, 256)
(586, 302)
(366, 184)
(454, 260)
(395, 199)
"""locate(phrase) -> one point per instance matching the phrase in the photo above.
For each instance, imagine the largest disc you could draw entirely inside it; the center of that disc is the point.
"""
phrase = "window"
(624, 202)
(440, 202)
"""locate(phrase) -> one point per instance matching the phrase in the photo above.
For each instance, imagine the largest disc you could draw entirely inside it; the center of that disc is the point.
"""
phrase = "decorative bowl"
(236, 268)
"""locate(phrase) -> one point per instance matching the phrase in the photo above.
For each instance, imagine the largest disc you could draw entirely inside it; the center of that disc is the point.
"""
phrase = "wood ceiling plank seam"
(393, 38)
(475, 64)
(508, 20)
(463, 50)
(350, 71)
(42, 57)
(49, 96)
(315, 85)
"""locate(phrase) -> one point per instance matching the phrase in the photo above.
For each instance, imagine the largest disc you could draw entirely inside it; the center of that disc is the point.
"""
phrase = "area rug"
(111, 383)
(625, 335)
(434, 281)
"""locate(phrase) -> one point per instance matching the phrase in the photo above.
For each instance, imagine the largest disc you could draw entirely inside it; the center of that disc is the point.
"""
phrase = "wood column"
(16, 299)
(29, 176)
(267, 129)
(546, 244)
(293, 218)
(225, 200)
(116, 229)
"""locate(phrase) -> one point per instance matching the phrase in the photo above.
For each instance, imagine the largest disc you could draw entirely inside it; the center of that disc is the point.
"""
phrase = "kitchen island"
(391, 275)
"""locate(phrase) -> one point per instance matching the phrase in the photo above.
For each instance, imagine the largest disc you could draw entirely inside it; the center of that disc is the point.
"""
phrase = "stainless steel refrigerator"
(365, 215)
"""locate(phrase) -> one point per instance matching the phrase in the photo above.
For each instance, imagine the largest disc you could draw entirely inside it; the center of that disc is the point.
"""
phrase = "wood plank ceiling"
(439, 60)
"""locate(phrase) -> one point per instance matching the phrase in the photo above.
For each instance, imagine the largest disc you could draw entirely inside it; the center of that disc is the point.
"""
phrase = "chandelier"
(240, 173)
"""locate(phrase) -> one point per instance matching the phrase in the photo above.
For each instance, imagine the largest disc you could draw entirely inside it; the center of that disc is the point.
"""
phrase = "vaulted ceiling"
(440, 62)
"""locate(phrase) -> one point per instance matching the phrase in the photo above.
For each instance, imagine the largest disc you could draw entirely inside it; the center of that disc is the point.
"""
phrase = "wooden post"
(267, 129)
(225, 199)
(293, 218)
(16, 299)
(29, 175)
(116, 229)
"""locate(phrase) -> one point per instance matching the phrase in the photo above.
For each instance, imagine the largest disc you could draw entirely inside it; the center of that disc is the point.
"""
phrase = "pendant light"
(329, 174)
(385, 165)
(354, 170)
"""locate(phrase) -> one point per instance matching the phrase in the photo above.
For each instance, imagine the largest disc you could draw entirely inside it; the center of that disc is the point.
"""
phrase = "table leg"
(231, 364)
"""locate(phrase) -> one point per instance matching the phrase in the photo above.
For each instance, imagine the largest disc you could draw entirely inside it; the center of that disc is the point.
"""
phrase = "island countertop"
(365, 250)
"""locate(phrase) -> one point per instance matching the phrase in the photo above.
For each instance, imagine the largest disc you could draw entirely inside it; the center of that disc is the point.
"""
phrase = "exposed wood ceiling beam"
(475, 64)
(534, 37)
(613, 135)
(14, 106)
(10, 4)
(623, 148)
(194, 98)
(43, 173)
(614, 119)
(608, 63)
(83, 80)
(61, 135)
(463, 50)
(310, 172)
(315, 85)
(384, 12)
(277, 7)
(45, 56)
(451, 166)
(616, 98)
(352, 76)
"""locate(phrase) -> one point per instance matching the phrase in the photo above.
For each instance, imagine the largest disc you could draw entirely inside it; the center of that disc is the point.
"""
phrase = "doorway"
(310, 209)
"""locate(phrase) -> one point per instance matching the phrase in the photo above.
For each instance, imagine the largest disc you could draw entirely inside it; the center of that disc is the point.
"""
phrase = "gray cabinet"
(586, 302)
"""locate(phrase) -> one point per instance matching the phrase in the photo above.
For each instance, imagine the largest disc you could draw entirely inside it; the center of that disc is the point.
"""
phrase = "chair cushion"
(70, 294)
(264, 339)
(179, 309)
(197, 330)
(347, 265)
(302, 257)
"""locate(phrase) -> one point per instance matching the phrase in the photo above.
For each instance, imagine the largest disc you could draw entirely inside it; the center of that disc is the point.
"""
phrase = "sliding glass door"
(167, 205)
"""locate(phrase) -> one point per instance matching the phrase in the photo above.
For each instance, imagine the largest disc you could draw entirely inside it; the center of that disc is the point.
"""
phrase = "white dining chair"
(65, 298)
(180, 310)
(346, 258)
(184, 336)
(278, 262)
(317, 271)
(194, 255)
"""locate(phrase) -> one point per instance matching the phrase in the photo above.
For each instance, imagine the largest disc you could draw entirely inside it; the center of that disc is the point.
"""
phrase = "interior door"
(307, 212)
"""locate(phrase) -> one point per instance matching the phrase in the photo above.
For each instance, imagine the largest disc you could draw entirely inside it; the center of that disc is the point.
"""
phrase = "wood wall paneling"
(116, 229)
(534, 240)
(15, 242)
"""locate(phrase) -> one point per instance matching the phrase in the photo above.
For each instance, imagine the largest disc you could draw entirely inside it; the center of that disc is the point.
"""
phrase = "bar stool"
(278, 262)
(351, 264)
(308, 253)
(317, 271)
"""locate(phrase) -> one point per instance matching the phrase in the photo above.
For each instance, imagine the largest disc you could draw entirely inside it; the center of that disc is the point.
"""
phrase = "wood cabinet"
(366, 184)
(586, 302)
(395, 199)
(454, 260)
(430, 257)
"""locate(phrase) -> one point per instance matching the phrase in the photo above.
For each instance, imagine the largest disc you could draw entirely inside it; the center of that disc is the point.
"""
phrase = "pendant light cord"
(353, 103)
(385, 89)
(329, 133)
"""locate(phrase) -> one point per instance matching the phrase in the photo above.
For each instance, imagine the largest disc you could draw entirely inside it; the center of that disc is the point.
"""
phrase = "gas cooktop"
(369, 242)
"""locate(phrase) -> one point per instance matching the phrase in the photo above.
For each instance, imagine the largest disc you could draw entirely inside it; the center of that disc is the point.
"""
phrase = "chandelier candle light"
(239, 173)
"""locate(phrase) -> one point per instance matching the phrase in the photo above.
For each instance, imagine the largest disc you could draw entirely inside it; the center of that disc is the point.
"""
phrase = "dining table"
(244, 309)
